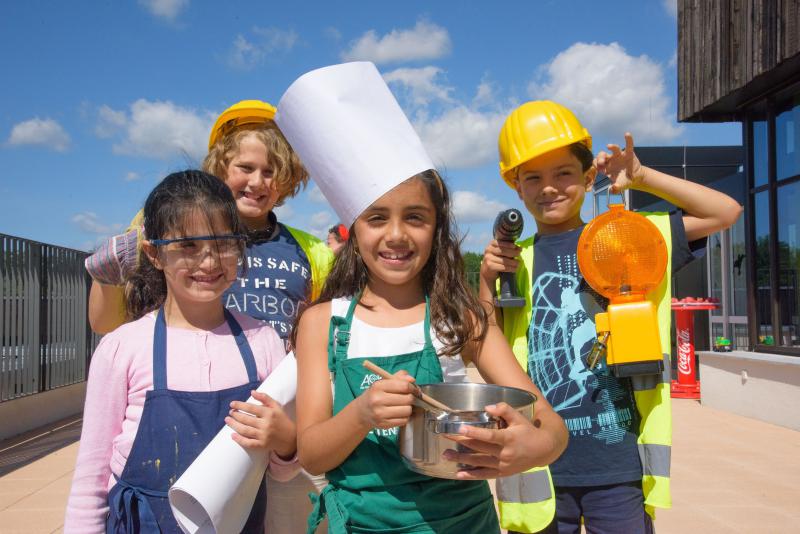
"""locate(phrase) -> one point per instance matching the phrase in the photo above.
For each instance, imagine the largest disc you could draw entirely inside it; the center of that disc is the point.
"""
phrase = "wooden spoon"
(427, 399)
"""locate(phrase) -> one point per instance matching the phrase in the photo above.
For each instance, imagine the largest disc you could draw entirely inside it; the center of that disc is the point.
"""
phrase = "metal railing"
(46, 339)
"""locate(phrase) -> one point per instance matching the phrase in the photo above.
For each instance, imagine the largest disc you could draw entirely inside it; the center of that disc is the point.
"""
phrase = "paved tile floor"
(730, 475)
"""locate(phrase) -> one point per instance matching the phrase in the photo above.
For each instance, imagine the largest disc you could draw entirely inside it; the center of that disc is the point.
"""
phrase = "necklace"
(254, 237)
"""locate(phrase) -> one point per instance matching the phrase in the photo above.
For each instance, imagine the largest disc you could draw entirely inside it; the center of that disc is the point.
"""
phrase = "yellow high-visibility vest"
(526, 501)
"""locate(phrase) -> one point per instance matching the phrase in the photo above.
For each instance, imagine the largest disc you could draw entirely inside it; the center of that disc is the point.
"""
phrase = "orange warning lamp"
(623, 256)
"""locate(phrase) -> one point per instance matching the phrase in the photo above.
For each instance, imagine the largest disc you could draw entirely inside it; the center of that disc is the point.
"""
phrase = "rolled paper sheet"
(217, 491)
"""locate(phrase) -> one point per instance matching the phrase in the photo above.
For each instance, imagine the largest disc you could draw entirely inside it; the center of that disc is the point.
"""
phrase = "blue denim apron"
(175, 427)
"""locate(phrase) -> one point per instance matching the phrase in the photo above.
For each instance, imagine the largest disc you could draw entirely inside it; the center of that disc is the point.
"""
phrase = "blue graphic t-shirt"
(599, 409)
(276, 280)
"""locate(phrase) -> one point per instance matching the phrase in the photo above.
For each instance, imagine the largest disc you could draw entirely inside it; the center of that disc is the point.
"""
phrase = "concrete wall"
(28, 413)
(757, 385)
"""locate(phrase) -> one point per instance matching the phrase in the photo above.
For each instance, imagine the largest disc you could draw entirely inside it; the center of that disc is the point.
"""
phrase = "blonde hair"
(289, 175)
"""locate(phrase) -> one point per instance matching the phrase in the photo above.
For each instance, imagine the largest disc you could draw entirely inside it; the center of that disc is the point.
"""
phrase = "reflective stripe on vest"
(532, 486)
(656, 459)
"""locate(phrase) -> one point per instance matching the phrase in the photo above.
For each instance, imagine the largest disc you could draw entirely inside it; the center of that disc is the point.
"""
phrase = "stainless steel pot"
(422, 439)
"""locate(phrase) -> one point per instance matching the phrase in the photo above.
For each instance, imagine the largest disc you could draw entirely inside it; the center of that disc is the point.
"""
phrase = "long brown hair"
(456, 315)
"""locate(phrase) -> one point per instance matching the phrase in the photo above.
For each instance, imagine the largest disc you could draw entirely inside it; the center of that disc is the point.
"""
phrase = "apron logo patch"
(369, 380)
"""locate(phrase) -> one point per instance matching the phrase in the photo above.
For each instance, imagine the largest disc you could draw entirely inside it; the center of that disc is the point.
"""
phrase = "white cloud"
(109, 121)
(671, 6)
(673, 60)
(321, 218)
(424, 41)
(166, 9)
(163, 130)
(472, 207)
(333, 33)
(45, 132)
(284, 213)
(421, 84)
(315, 194)
(484, 94)
(90, 222)
(249, 52)
(319, 223)
(461, 137)
(610, 91)
(476, 241)
(132, 176)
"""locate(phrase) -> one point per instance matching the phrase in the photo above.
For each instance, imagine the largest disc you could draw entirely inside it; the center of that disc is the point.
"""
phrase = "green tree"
(472, 268)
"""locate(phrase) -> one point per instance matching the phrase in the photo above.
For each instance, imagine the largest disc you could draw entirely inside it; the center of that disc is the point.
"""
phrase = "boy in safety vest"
(616, 466)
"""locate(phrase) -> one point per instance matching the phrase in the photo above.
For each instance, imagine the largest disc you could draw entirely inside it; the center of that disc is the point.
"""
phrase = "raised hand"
(621, 166)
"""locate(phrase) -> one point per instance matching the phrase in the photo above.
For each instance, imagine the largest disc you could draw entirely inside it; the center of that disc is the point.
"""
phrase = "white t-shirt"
(367, 340)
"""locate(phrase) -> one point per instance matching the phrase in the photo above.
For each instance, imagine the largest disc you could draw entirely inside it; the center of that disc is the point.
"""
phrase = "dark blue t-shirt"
(276, 280)
(598, 408)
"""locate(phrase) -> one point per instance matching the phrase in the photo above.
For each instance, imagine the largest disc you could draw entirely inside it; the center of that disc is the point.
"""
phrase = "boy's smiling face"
(553, 187)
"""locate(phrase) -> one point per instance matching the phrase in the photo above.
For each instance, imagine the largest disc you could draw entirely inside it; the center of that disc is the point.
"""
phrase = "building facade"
(739, 60)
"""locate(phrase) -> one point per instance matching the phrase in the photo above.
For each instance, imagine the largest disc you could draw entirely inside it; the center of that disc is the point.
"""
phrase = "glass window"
(763, 291)
(715, 267)
(740, 339)
(760, 147)
(738, 269)
(787, 140)
(789, 262)
(601, 201)
(717, 330)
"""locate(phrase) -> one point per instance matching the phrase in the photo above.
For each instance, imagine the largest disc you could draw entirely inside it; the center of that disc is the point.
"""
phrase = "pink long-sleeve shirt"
(121, 373)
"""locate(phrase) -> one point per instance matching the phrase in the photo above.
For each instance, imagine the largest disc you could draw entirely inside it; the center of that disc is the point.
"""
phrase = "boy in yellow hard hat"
(616, 467)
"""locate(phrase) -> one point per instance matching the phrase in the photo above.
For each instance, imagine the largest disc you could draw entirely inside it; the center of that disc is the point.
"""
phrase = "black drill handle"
(508, 227)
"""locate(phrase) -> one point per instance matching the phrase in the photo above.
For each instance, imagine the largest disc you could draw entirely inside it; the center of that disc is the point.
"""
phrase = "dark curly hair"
(456, 315)
(167, 211)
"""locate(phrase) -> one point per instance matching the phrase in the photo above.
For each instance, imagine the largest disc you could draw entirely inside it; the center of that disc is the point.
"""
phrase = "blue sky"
(102, 99)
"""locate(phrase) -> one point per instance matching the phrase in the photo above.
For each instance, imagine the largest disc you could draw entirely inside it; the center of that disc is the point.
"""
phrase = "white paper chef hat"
(351, 135)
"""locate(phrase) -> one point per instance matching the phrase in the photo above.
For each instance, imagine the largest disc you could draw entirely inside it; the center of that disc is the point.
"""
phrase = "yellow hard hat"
(533, 129)
(244, 112)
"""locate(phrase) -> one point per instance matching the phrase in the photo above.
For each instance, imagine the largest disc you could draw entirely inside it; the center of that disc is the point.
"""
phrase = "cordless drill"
(508, 227)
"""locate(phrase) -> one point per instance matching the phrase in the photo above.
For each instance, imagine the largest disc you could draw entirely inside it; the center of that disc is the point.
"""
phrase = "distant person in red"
(337, 236)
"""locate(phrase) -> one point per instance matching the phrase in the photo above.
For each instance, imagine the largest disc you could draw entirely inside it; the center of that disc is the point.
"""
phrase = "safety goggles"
(192, 250)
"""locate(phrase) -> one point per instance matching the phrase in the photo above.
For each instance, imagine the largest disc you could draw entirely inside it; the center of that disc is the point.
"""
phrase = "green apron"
(372, 490)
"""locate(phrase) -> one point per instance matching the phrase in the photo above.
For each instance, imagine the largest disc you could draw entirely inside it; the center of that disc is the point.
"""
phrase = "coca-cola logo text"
(684, 352)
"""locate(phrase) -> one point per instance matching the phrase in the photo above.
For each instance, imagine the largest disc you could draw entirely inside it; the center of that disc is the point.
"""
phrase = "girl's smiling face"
(249, 176)
(197, 271)
(395, 234)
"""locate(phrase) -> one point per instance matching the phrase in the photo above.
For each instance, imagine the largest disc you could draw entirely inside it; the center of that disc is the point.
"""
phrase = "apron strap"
(130, 509)
(160, 350)
(339, 335)
(244, 347)
(427, 324)
(327, 503)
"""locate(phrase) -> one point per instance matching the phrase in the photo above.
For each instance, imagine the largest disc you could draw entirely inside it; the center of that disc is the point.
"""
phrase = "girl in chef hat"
(397, 296)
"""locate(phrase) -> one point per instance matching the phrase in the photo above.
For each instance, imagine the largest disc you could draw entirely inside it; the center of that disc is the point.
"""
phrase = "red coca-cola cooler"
(687, 386)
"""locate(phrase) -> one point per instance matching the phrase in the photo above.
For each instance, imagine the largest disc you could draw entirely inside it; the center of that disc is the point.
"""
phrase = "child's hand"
(263, 427)
(507, 451)
(387, 402)
(621, 166)
(499, 257)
